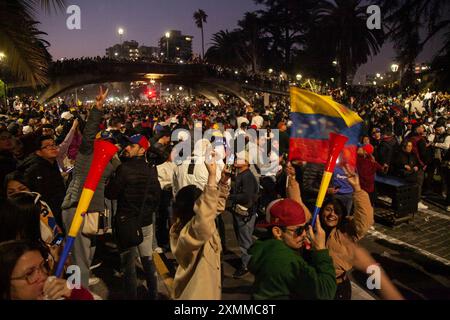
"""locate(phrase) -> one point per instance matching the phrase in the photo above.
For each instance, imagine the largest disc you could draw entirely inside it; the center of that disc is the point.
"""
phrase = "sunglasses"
(297, 231)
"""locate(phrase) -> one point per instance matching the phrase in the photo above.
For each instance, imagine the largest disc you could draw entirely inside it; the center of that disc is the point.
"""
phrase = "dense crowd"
(46, 153)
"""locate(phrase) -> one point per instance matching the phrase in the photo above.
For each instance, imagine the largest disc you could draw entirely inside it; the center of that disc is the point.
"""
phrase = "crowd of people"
(177, 199)
(270, 80)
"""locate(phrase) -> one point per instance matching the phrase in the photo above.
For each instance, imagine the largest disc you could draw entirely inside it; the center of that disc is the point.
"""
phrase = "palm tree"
(226, 49)
(254, 40)
(286, 22)
(200, 18)
(343, 28)
(26, 55)
(411, 24)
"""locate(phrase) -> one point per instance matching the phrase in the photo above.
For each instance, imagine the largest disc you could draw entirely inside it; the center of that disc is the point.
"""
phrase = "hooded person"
(192, 171)
(280, 269)
(194, 239)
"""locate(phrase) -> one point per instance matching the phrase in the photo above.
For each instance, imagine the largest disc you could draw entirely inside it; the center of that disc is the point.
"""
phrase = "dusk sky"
(146, 21)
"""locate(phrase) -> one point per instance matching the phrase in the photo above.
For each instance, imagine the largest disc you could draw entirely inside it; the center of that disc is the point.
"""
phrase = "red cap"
(140, 140)
(284, 213)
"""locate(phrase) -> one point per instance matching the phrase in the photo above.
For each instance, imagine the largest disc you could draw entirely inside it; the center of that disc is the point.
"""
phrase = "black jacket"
(312, 177)
(403, 158)
(45, 178)
(7, 165)
(128, 186)
(386, 149)
(245, 190)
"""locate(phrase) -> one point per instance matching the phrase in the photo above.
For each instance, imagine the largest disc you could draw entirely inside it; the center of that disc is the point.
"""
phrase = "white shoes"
(421, 206)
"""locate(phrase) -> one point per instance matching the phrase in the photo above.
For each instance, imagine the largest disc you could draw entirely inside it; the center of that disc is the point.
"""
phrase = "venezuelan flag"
(314, 117)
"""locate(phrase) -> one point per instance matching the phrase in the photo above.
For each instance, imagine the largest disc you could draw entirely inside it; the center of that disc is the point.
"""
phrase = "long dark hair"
(20, 218)
(14, 176)
(338, 207)
(10, 253)
(183, 207)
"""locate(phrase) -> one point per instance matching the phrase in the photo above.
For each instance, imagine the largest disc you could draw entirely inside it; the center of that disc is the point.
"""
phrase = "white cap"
(66, 115)
(27, 130)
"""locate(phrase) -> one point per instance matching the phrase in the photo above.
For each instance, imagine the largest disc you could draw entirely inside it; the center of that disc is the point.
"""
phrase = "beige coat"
(354, 229)
(197, 249)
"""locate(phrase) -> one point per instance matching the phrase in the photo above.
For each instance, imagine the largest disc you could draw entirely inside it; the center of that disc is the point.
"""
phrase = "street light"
(394, 67)
(270, 70)
(167, 43)
(298, 77)
(120, 31)
(2, 56)
(334, 63)
(378, 75)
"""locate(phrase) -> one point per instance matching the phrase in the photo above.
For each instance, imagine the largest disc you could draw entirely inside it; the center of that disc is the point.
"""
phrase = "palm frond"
(22, 43)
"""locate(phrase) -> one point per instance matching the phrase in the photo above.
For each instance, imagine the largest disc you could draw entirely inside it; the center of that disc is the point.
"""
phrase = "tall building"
(129, 50)
(177, 47)
(148, 53)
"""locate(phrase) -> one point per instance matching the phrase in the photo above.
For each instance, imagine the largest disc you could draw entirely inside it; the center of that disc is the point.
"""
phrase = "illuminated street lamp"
(334, 63)
(167, 43)
(298, 77)
(2, 56)
(378, 75)
(270, 70)
(394, 67)
(120, 31)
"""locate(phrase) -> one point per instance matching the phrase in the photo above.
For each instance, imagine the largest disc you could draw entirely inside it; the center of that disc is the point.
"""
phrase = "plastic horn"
(337, 143)
(103, 153)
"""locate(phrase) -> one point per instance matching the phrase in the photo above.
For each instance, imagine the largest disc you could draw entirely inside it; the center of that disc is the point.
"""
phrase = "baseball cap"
(140, 140)
(284, 213)
(66, 115)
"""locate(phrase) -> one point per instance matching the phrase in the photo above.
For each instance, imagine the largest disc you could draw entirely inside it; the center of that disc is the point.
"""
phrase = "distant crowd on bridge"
(273, 80)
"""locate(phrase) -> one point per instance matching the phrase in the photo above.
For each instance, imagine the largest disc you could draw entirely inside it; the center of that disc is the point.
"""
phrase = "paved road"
(415, 255)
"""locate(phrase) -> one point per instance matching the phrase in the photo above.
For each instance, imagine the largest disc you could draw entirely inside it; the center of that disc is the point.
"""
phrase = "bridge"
(203, 79)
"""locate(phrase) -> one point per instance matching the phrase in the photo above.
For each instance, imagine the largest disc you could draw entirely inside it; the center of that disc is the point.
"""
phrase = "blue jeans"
(243, 227)
(128, 265)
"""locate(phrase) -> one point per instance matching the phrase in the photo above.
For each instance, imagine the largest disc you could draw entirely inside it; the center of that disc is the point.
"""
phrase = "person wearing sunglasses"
(281, 270)
(25, 275)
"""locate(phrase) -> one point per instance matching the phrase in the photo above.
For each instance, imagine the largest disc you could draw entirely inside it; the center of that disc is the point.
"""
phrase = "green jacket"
(281, 273)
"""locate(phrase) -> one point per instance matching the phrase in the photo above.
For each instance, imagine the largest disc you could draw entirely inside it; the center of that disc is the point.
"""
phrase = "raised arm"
(94, 120)
(293, 189)
(224, 190)
(64, 146)
(362, 209)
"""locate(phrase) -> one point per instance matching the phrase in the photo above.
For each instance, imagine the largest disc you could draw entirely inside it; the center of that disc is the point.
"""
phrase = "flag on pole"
(314, 117)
